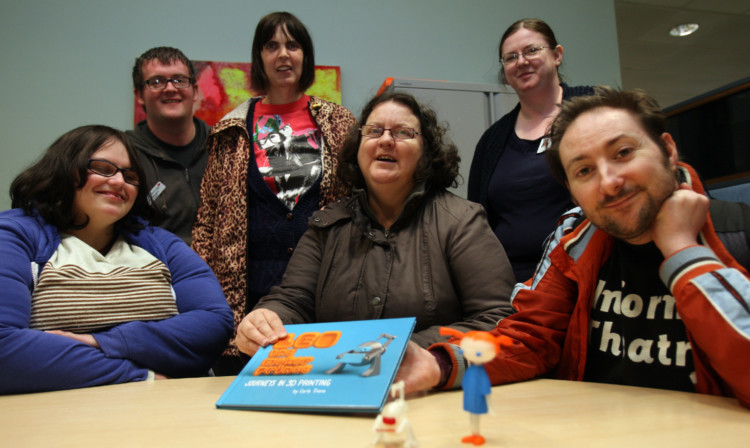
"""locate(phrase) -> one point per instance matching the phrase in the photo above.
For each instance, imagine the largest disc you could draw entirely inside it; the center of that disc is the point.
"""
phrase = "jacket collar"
(357, 209)
(145, 140)
(415, 199)
(237, 117)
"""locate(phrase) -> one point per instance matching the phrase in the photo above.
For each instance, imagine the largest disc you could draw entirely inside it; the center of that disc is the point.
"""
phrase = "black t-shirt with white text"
(636, 336)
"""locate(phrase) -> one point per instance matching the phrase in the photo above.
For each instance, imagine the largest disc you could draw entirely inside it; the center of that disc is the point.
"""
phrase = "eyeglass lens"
(108, 169)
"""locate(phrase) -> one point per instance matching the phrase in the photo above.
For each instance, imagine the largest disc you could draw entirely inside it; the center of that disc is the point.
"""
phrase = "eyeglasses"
(108, 169)
(160, 82)
(399, 133)
(528, 53)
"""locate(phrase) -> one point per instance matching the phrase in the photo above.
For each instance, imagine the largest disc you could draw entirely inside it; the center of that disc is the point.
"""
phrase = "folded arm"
(188, 343)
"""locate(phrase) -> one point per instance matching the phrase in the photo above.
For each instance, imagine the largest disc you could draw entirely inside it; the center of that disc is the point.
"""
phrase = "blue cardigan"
(181, 346)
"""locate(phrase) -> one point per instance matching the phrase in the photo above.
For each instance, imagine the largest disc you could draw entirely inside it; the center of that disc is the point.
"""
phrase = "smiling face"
(170, 104)
(105, 200)
(388, 165)
(617, 174)
(282, 61)
(526, 74)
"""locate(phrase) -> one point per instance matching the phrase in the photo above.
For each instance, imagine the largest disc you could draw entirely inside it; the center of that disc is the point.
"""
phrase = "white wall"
(68, 63)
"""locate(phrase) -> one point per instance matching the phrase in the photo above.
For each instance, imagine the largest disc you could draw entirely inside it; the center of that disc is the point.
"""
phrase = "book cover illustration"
(323, 367)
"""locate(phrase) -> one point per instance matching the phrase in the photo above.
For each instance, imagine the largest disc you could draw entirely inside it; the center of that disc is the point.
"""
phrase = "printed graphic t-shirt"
(288, 148)
(636, 336)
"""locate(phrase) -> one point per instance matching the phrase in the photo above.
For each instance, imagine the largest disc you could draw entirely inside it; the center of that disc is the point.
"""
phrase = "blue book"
(323, 367)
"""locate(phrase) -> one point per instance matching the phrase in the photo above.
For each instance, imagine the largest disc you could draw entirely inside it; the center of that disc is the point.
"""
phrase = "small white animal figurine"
(392, 427)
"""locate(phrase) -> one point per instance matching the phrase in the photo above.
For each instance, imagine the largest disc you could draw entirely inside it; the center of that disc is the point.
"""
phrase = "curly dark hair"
(638, 103)
(438, 167)
(292, 27)
(48, 187)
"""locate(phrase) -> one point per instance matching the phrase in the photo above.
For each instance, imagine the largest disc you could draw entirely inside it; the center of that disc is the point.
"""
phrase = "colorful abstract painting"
(225, 85)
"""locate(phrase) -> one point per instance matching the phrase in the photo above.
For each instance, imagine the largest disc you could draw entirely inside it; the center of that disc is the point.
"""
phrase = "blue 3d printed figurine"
(478, 347)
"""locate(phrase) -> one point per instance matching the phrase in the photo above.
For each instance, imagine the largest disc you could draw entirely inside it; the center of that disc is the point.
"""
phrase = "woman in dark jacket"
(401, 246)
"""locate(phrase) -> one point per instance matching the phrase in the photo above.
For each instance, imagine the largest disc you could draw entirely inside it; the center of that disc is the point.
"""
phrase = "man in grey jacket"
(171, 141)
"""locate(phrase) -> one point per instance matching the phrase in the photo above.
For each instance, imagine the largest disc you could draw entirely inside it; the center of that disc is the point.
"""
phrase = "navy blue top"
(526, 202)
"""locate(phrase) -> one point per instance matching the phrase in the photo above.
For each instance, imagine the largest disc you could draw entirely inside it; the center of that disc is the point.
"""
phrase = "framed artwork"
(225, 85)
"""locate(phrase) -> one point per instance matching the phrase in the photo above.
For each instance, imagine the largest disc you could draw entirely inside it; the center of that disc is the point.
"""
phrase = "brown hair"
(640, 105)
(165, 55)
(292, 27)
(538, 25)
(438, 167)
(48, 187)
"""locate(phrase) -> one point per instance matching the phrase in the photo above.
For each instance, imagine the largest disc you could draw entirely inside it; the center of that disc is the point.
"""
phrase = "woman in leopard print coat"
(272, 162)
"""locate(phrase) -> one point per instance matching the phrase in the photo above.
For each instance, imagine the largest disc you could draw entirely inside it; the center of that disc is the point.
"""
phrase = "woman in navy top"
(509, 175)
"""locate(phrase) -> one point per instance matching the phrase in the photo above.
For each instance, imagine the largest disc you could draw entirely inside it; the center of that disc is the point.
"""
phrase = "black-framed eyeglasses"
(399, 133)
(528, 53)
(160, 82)
(108, 169)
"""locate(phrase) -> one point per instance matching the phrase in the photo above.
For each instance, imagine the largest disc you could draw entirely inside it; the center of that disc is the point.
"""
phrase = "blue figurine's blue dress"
(476, 385)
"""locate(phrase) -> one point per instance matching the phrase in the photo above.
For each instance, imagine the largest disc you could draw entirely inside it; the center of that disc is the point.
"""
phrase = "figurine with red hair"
(478, 347)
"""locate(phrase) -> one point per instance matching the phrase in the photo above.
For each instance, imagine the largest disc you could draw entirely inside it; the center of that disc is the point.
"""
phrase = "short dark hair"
(165, 55)
(48, 186)
(538, 25)
(292, 27)
(438, 167)
(640, 105)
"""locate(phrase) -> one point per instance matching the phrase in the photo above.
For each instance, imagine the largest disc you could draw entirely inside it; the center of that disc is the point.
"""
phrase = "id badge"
(544, 145)
(155, 192)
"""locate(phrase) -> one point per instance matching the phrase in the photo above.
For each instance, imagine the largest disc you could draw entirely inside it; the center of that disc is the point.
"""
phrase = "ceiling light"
(683, 30)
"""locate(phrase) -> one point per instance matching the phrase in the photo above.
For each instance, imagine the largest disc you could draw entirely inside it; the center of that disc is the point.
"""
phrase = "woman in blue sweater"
(509, 175)
(91, 293)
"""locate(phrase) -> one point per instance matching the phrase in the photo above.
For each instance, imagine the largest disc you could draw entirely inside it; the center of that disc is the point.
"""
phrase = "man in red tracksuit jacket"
(635, 286)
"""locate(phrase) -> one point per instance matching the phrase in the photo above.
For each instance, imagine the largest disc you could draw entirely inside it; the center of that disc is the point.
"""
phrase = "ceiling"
(676, 69)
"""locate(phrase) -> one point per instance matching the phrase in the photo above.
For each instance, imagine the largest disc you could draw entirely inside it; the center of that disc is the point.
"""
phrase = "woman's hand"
(419, 369)
(85, 338)
(258, 329)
